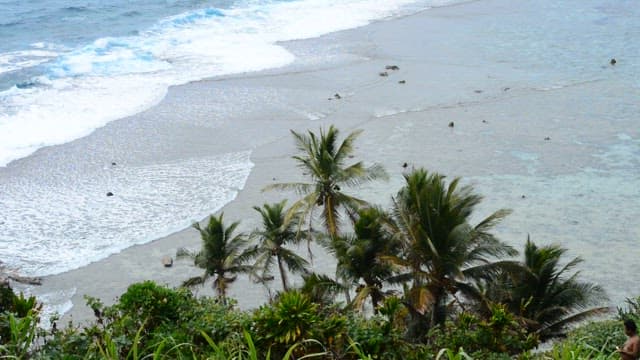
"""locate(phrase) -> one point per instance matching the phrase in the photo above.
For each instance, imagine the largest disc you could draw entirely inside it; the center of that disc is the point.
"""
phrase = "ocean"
(68, 68)
(60, 60)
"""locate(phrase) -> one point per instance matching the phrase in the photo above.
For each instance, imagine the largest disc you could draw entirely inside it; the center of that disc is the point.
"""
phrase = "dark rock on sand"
(613, 62)
(451, 124)
(547, 138)
(337, 96)
(109, 193)
(402, 82)
(384, 73)
(167, 261)
(392, 67)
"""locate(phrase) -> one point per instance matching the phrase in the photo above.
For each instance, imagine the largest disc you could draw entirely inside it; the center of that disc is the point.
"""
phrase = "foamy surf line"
(82, 89)
(53, 227)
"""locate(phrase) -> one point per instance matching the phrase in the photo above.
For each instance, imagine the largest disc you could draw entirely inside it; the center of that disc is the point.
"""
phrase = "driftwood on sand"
(7, 275)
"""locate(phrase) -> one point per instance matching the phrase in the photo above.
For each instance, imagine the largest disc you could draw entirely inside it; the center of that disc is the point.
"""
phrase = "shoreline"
(402, 123)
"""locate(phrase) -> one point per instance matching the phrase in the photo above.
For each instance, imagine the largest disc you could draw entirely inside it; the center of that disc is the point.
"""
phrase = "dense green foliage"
(439, 287)
(441, 252)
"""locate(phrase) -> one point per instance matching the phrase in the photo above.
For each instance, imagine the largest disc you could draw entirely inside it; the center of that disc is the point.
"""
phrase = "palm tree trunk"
(221, 289)
(376, 298)
(329, 218)
(438, 311)
(283, 274)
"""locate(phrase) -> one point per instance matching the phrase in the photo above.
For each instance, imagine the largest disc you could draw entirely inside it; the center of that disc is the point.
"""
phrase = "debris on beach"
(613, 61)
(451, 124)
(392, 67)
(109, 193)
(6, 275)
(384, 73)
(477, 91)
(402, 82)
(337, 96)
(167, 261)
(547, 138)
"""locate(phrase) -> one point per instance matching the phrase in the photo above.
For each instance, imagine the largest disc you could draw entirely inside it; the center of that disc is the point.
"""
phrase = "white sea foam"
(66, 223)
(17, 60)
(87, 87)
(55, 305)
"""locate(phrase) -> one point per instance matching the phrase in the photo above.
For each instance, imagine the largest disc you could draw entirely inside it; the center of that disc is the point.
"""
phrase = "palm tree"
(321, 288)
(545, 294)
(323, 159)
(359, 256)
(278, 230)
(223, 255)
(441, 252)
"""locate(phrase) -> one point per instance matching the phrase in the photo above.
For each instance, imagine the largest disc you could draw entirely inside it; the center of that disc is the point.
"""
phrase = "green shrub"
(154, 303)
(19, 318)
(220, 322)
(69, 343)
(602, 335)
(577, 351)
(375, 336)
(22, 332)
(500, 333)
(290, 319)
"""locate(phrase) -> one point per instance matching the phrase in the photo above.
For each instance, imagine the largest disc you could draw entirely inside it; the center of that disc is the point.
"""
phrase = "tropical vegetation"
(224, 255)
(420, 280)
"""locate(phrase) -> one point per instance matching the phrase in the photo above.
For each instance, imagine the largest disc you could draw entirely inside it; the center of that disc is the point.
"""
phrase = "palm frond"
(346, 148)
(298, 188)
(294, 262)
(194, 281)
(558, 327)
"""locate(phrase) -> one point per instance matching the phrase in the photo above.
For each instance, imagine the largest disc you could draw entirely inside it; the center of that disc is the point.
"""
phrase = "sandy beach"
(550, 151)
